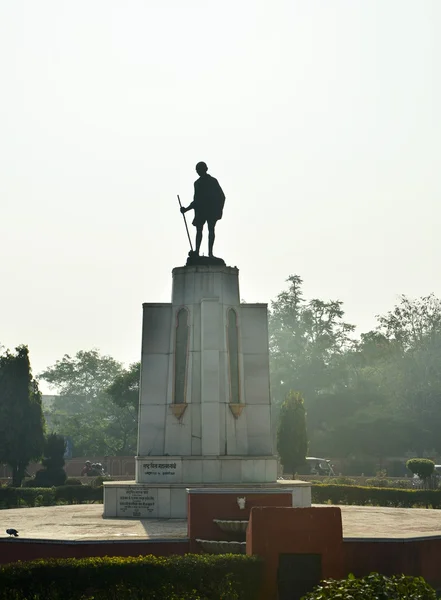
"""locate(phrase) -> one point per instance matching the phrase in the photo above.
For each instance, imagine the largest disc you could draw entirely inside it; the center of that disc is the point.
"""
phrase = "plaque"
(159, 469)
(138, 502)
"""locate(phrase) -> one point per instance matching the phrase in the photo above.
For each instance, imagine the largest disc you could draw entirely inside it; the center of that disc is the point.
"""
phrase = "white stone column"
(211, 340)
(155, 358)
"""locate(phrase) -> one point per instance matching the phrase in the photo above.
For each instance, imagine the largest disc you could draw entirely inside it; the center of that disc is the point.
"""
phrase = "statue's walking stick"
(186, 227)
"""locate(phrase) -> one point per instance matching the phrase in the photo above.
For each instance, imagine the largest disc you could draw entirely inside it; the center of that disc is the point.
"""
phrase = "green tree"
(85, 375)
(422, 467)
(124, 390)
(53, 472)
(85, 412)
(292, 441)
(410, 376)
(307, 342)
(373, 431)
(376, 396)
(412, 322)
(21, 417)
(391, 401)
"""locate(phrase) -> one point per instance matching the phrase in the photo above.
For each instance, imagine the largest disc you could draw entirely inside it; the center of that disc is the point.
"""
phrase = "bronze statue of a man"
(208, 204)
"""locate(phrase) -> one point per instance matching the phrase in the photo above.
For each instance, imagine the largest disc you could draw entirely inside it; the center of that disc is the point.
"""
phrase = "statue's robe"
(208, 202)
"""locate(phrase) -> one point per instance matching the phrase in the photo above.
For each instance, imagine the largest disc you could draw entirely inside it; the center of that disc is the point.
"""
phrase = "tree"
(376, 396)
(410, 376)
(307, 341)
(124, 390)
(86, 374)
(98, 423)
(422, 467)
(412, 322)
(53, 462)
(21, 417)
(292, 441)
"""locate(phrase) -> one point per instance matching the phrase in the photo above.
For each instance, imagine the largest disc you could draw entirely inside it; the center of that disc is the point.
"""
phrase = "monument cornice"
(206, 269)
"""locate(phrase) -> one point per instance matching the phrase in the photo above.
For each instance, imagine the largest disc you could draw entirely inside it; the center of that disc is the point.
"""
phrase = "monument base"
(128, 499)
(205, 469)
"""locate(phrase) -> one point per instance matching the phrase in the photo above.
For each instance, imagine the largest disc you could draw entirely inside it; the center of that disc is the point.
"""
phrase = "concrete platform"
(124, 499)
(86, 522)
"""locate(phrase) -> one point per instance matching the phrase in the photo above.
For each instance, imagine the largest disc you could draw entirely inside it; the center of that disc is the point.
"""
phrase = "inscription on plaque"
(137, 502)
(159, 468)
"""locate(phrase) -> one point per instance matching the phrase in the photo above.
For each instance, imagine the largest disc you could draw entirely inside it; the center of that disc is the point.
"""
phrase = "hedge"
(321, 494)
(204, 577)
(27, 497)
(372, 587)
(375, 496)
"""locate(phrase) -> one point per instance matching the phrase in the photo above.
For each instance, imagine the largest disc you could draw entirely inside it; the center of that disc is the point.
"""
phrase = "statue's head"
(201, 168)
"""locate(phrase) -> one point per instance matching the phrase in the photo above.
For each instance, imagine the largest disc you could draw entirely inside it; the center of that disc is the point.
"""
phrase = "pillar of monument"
(205, 409)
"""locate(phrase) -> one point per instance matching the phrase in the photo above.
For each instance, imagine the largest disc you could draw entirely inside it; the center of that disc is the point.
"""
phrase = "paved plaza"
(85, 522)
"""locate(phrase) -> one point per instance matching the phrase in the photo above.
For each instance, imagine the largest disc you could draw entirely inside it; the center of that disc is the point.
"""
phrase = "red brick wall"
(12, 550)
(203, 508)
(274, 531)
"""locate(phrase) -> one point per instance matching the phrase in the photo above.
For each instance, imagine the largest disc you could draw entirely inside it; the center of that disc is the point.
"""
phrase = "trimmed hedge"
(28, 497)
(203, 577)
(321, 494)
(372, 587)
(77, 494)
(73, 481)
(423, 467)
(25, 497)
(375, 496)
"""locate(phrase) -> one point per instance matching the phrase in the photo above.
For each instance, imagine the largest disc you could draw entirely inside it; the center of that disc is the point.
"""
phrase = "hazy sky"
(321, 120)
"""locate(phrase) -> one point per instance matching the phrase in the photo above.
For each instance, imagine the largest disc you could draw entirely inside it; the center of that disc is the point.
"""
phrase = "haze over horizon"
(322, 122)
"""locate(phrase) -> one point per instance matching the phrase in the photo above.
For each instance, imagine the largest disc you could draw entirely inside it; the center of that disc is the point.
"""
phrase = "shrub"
(73, 481)
(53, 462)
(404, 484)
(33, 496)
(397, 587)
(423, 467)
(362, 496)
(341, 480)
(231, 577)
(98, 481)
(377, 482)
(17, 497)
(29, 483)
(76, 494)
(46, 478)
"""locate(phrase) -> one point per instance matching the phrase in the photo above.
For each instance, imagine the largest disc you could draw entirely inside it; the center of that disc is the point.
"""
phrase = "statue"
(208, 205)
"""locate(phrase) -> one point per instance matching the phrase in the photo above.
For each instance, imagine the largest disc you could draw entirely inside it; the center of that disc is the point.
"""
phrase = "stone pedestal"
(204, 406)
(127, 499)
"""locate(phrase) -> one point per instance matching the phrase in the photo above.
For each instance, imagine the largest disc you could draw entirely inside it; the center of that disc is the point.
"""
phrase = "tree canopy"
(378, 395)
(99, 423)
(307, 340)
(86, 374)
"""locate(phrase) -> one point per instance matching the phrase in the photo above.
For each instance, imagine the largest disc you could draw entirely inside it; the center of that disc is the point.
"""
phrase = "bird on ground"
(12, 532)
